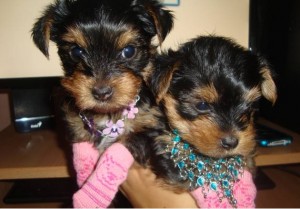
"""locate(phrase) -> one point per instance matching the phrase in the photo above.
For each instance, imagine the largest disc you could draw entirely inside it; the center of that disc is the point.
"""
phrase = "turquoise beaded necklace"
(216, 174)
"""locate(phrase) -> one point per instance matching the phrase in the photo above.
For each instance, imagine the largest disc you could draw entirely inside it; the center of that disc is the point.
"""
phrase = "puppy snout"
(102, 93)
(229, 142)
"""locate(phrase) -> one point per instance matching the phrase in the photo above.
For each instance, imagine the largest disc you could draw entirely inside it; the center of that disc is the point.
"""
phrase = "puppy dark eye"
(203, 107)
(128, 52)
(77, 53)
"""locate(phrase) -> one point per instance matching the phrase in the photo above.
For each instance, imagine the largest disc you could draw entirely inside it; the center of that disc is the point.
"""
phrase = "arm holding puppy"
(100, 180)
(143, 190)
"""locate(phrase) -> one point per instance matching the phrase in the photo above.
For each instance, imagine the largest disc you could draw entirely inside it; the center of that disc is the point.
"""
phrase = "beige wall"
(203, 17)
(20, 58)
(18, 55)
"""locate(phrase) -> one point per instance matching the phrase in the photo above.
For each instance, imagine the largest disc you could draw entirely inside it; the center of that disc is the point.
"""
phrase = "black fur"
(230, 68)
(99, 59)
(102, 22)
(201, 62)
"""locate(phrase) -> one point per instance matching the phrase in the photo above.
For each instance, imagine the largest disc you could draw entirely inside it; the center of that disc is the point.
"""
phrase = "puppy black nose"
(229, 142)
(102, 93)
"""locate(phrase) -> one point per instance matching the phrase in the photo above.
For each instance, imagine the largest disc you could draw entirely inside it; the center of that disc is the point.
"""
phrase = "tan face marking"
(80, 87)
(205, 134)
(75, 35)
(207, 93)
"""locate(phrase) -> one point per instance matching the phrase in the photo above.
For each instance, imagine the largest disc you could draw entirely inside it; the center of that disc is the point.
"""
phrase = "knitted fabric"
(85, 157)
(100, 192)
(244, 191)
(102, 185)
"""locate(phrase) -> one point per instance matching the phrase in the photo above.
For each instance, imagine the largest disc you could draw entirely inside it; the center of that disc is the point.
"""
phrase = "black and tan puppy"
(106, 48)
(209, 89)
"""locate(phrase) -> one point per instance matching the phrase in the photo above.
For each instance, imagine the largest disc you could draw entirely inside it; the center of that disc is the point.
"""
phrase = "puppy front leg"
(110, 172)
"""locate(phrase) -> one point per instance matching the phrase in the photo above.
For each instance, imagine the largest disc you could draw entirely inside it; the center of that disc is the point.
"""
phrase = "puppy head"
(210, 88)
(105, 47)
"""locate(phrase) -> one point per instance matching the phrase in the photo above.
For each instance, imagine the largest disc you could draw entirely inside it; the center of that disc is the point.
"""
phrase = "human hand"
(143, 190)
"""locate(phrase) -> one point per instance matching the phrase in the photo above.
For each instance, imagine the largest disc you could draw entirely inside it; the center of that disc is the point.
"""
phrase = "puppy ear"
(161, 80)
(268, 87)
(43, 30)
(155, 18)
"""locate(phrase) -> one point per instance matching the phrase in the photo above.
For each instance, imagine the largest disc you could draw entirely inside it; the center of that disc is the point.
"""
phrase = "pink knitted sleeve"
(244, 191)
(85, 157)
(101, 187)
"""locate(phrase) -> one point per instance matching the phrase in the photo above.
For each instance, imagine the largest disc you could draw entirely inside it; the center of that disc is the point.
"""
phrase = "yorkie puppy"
(106, 49)
(209, 89)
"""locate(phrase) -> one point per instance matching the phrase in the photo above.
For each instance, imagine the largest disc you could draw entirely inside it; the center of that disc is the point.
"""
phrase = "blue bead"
(200, 181)
(181, 164)
(208, 175)
(192, 157)
(176, 138)
(191, 175)
(174, 151)
(186, 146)
(235, 172)
(225, 183)
(213, 186)
(217, 166)
(200, 165)
(222, 160)
(239, 159)
(227, 192)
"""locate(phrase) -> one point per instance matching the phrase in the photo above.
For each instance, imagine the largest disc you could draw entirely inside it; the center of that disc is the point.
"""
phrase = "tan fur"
(165, 81)
(46, 31)
(253, 95)
(207, 93)
(147, 72)
(268, 86)
(74, 35)
(158, 27)
(128, 37)
(246, 142)
(80, 86)
(205, 134)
